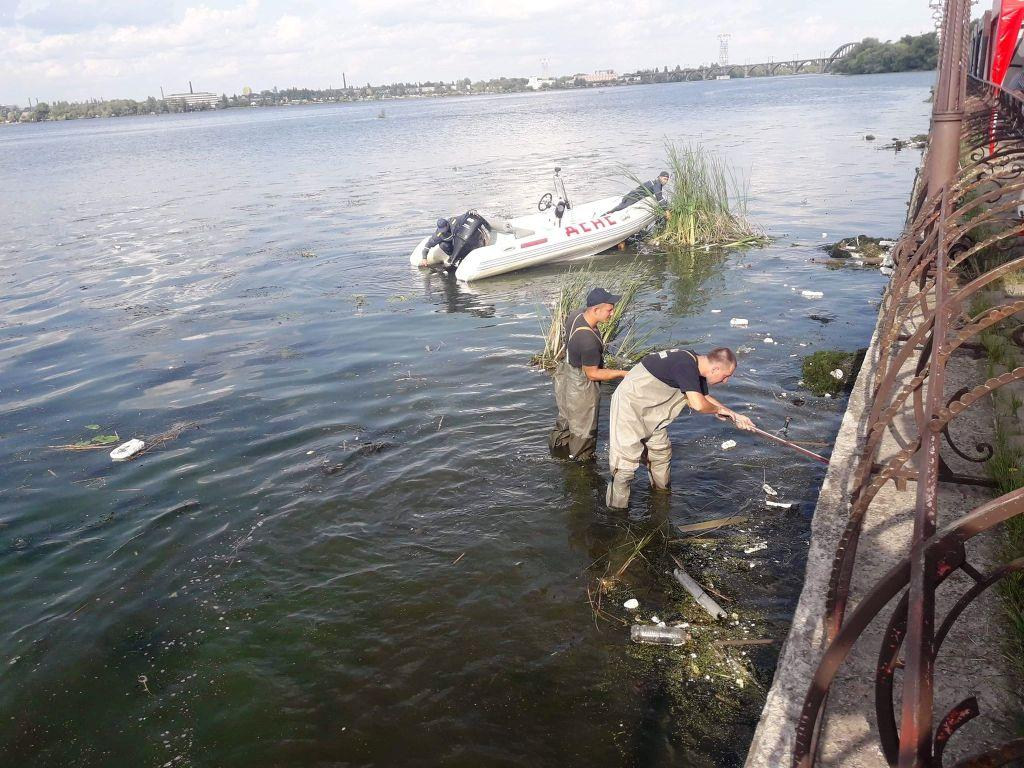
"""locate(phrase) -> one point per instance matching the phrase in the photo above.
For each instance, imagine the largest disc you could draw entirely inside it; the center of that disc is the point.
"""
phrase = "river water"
(360, 552)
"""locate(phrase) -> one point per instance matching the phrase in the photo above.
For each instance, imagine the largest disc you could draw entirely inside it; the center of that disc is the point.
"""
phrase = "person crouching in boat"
(457, 236)
(578, 378)
(654, 188)
(442, 237)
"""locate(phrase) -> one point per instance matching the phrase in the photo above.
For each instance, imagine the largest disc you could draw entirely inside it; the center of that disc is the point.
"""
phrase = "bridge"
(767, 69)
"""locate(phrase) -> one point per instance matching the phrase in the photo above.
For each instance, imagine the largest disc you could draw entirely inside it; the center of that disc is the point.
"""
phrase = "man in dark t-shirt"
(577, 378)
(654, 393)
(678, 368)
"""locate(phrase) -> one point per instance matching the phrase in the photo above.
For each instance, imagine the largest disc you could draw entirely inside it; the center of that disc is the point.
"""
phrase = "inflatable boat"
(557, 232)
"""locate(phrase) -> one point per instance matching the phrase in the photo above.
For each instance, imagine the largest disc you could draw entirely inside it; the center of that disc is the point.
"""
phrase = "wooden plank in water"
(731, 643)
(709, 525)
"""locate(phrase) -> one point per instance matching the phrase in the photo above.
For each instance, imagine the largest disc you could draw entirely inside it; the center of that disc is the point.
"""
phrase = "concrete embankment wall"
(772, 746)
(970, 662)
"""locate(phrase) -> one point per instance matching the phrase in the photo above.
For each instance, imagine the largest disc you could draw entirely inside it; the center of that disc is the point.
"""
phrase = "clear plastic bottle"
(640, 633)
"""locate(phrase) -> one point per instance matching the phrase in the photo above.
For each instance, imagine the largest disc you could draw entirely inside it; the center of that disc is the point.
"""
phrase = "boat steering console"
(547, 199)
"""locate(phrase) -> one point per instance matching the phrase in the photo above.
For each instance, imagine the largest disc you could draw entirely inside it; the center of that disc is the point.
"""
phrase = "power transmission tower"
(723, 49)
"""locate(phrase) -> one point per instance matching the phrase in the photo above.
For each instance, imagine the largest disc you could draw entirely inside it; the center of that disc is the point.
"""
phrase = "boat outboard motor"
(468, 233)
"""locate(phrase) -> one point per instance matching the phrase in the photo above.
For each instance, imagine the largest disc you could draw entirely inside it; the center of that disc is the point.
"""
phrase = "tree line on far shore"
(869, 56)
(909, 53)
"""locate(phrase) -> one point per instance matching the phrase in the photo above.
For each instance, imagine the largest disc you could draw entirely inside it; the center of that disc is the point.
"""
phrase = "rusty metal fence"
(963, 234)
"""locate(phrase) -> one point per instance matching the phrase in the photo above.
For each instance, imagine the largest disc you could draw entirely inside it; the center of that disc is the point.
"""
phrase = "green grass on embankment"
(1006, 469)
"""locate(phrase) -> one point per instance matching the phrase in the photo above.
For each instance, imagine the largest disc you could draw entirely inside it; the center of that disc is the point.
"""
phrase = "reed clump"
(624, 340)
(707, 204)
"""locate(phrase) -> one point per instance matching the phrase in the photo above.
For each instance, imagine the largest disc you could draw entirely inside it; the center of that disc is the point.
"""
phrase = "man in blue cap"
(578, 378)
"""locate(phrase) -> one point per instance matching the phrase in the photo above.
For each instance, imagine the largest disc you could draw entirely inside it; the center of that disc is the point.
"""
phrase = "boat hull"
(584, 231)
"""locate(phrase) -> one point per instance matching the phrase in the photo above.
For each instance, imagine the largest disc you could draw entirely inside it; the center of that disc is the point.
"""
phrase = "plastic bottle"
(641, 633)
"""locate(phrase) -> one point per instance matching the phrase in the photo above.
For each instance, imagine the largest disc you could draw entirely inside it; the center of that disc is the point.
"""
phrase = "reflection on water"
(363, 554)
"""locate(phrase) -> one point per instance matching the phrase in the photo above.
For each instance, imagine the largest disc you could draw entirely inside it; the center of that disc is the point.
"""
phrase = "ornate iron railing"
(964, 210)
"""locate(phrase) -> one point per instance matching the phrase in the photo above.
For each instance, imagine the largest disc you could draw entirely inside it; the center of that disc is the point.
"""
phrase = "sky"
(84, 49)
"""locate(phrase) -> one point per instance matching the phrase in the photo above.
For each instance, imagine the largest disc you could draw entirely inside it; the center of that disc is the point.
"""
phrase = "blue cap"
(601, 296)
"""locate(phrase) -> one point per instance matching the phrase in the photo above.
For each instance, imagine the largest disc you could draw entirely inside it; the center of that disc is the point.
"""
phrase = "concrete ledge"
(772, 746)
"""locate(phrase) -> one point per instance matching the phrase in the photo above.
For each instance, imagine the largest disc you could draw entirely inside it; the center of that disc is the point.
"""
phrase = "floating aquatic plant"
(625, 342)
(707, 202)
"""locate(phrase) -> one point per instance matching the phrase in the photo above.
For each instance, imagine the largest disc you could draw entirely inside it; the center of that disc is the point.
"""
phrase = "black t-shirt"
(584, 347)
(676, 368)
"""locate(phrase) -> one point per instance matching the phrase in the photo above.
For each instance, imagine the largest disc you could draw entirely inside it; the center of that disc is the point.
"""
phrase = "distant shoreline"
(146, 108)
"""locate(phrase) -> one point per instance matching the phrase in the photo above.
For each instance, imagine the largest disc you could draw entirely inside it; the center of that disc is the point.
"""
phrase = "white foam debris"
(811, 294)
(655, 620)
(127, 450)
(824, 234)
(769, 490)
(837, 374)
(828, 396)
(728, 445)
(755, 548)
(769, 340)
(738, 321)
(632, 604)
(715, 311)
(779, 504)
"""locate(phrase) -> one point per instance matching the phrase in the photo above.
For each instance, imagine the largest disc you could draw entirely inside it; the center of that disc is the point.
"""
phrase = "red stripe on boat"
(533, 243)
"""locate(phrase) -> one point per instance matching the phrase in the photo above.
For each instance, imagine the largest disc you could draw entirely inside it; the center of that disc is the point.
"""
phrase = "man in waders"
(648, 400)
(578, 378)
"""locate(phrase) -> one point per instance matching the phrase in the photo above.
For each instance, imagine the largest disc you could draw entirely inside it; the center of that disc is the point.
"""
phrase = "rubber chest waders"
(579, 400)
(642, 408)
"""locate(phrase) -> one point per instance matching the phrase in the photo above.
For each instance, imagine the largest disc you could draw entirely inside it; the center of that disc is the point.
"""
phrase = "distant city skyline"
(120, 49)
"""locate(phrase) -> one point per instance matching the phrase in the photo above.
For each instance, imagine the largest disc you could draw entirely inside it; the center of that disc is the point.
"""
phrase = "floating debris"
(756, 548)
(812, 294)
(640, 633)
(769, 490)
(769, 340)
(779, 504)
(709, 525)
(126, 450)
(632, 604)
(728, 445)
(836, 374)
(98, 441)
(739, 322)
(704, 600)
